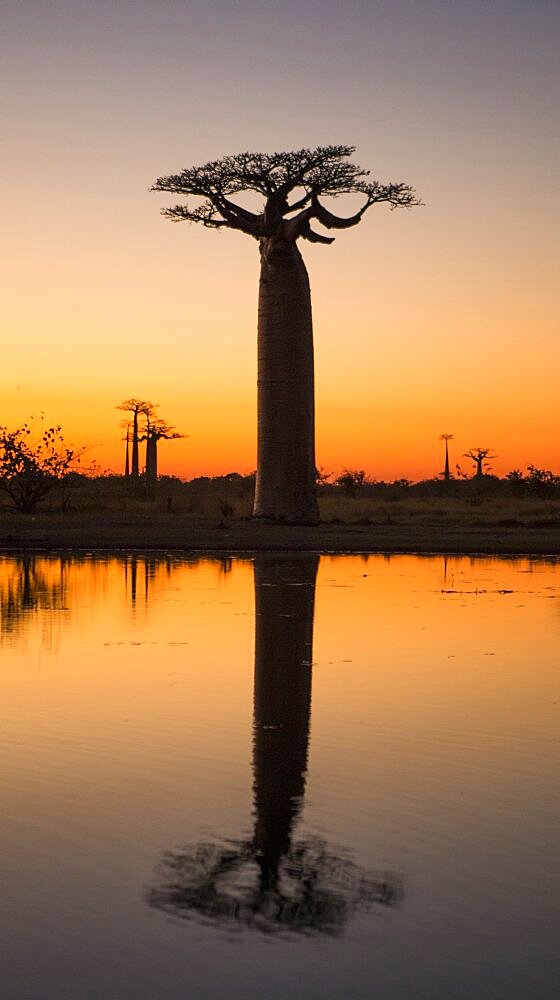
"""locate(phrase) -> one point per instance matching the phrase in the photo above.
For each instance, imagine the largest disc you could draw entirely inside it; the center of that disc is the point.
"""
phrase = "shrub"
(29, 469)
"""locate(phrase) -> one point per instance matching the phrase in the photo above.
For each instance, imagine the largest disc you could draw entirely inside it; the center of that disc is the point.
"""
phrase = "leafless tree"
(127, 427)
(481, 458)
(446, 438)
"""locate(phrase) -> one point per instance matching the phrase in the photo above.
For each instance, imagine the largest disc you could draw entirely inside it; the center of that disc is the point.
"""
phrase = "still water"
(281, 777)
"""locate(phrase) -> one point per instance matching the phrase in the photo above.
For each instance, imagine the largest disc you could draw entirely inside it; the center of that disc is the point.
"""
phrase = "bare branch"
(396, 195)
(308, 234)
(300, 203)
(135, 405)
(240, 218)
(161, 429)
(296, 226)
(331, 221)
(325, 170)
(206, 214)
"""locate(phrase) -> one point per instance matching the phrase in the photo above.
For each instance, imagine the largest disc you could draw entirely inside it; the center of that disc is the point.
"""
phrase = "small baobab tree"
(126, 426)
(292, 186)
(447, 438)
(136, 407)
(481, 458)
(156, 430)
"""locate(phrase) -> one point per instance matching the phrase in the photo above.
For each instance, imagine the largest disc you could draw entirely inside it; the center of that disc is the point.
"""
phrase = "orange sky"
(439, 319)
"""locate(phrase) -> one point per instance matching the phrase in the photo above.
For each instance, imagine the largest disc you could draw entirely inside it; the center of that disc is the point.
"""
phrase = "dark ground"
(127, 530)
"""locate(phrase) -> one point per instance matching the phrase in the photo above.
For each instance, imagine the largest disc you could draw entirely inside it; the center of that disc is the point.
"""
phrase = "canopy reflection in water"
(274, 882)
(31, 583)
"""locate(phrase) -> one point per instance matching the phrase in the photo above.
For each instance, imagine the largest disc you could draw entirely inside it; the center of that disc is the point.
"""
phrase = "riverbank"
(125, 530)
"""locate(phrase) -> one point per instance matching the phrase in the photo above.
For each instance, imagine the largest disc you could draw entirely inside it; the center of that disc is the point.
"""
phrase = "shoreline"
(79, 532)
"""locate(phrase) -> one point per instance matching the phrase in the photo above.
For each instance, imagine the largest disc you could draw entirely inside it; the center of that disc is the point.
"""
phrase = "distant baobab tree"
(481, 457)
(126, 426)
(156, 429)
(446, 438)
(135, 407)
(127, 459)
(153, 430)
(291, 184)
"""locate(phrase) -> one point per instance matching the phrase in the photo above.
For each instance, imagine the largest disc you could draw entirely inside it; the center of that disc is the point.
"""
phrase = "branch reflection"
(274, 881)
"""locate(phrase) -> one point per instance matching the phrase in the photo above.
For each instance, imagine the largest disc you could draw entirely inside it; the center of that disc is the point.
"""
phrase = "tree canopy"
(291, 184)
(30, 468)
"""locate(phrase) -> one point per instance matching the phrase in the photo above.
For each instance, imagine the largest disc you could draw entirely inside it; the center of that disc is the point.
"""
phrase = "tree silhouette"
(156, 430)
(291, 184)
(273, 882)
(351, 480)
(446, 438)
(126, 426)
(127, 459)
(136, 407)
(481, 458)
(30, 468)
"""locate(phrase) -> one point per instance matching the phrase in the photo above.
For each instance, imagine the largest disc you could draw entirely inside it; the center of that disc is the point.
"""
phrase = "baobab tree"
(156, 430)
(136, 407)
(291, 185)
(446, 438)
(126, 426)
(127, 459)
(481, 458)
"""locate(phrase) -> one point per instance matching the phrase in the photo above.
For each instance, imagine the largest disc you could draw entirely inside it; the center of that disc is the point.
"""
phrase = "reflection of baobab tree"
(30, 584)
(225, 565)
(150, 564)
(274, 881)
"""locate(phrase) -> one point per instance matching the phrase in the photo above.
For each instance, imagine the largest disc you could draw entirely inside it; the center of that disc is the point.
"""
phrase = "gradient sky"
(444, 318)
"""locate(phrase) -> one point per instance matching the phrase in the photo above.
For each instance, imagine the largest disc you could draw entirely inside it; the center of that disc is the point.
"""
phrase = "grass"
(495, 511)
(214, 515)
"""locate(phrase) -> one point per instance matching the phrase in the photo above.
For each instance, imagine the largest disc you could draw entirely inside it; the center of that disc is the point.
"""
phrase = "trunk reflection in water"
(274, 882)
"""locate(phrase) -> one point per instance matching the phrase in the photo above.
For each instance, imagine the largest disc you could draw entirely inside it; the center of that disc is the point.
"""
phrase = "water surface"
(226, 778)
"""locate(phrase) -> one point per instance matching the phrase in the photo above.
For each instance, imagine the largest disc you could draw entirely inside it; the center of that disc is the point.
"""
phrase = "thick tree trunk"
(285, 487)
(153, 467)
(446, 471)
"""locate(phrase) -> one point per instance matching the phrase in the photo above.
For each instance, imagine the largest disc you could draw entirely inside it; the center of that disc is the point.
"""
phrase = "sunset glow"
(444, 318)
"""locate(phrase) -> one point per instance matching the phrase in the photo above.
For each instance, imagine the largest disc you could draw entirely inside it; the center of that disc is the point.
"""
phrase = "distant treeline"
(231, 495)
(355, 482)
(533, 482)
